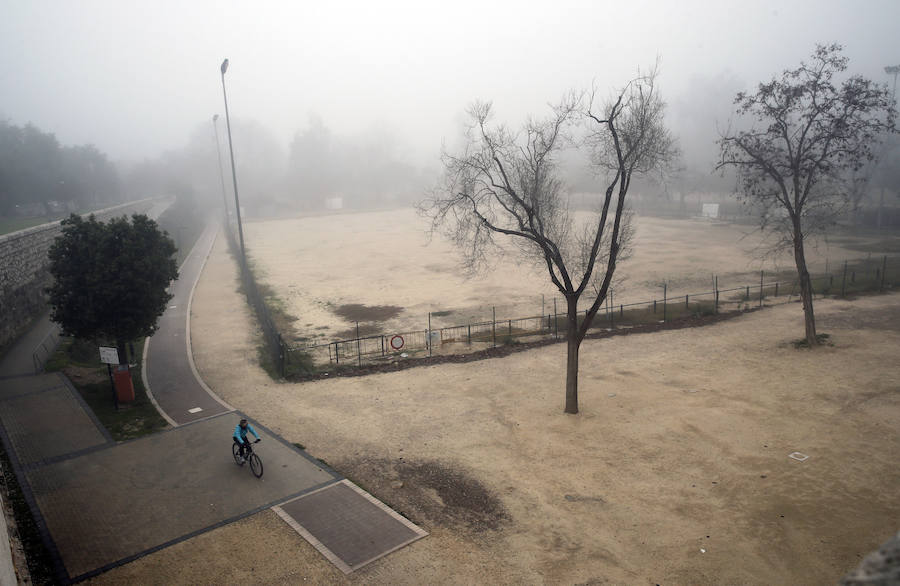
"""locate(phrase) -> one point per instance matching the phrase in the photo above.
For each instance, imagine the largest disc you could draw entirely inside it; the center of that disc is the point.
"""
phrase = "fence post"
(358, 349)
(494, 324)
(654, 306)
(776, 288)
(611, 311)
(760, 288)
(337, 360)
(716, 288)
(844, 281)
(883, 271)
(687, 302)
(555, 320)
(665, 299)
(509, 328)
(428, 336)
(469, 328)
(382, 344)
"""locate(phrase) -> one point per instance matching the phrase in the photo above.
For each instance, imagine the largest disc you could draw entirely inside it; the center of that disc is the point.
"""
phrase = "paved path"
(99, 504)
(170, 373)
(19, 359)
(109, 506)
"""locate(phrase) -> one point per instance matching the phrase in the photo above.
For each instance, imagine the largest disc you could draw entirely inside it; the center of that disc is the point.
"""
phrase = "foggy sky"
(136, 78)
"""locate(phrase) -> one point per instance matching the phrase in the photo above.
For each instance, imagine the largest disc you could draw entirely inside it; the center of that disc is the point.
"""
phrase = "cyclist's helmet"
(243, 423)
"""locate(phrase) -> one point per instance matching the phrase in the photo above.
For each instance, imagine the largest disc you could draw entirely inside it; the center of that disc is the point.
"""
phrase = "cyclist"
(240, 437)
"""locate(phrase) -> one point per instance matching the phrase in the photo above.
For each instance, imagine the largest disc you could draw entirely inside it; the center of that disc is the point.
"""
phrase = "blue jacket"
(240, 434)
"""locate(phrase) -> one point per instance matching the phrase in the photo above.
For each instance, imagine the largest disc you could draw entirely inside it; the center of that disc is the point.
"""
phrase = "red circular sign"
(397, 342)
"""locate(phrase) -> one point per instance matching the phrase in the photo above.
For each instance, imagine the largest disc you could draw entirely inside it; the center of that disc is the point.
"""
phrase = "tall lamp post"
(215, 119)
(237, 203)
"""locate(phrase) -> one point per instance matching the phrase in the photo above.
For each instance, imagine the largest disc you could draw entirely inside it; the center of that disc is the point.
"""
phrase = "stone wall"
(24, 268)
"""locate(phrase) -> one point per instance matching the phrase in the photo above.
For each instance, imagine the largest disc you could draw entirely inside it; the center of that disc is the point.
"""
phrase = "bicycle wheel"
(236, 452)
(256, 465)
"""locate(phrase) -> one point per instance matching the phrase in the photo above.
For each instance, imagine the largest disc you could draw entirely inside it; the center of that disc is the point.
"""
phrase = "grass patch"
(824, 340)
(441, 313)
(299, 446)
(79, 361)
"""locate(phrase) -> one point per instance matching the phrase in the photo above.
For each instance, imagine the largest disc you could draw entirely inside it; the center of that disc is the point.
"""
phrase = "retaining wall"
(24, 269)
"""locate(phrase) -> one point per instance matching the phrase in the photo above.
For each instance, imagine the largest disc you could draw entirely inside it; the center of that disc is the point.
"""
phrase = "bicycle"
(256, 465)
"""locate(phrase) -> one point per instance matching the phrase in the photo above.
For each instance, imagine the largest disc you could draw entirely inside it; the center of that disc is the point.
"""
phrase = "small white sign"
(195, 410)
(109, 355)
(710, 210)
(798, 456)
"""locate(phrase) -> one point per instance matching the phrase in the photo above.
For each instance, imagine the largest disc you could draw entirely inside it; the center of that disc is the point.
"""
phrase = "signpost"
(109, 356)
(123, 388)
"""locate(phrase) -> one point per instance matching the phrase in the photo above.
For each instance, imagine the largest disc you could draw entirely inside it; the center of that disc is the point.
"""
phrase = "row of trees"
(366, 170)
(36, 170)
(797, 144)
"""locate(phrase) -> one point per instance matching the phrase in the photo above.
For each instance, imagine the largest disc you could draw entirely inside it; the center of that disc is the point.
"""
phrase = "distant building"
(710, 210)
(334, 203)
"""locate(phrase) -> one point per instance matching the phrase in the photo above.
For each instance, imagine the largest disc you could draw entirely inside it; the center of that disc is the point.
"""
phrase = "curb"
(7, 567)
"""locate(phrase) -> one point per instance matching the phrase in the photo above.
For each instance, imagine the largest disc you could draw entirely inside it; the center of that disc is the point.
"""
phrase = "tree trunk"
(573, 344)
(806, 293)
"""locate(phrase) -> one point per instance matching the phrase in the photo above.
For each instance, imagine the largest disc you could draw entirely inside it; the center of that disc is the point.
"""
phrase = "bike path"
(107, 507)
(100, 504)
(172, 379)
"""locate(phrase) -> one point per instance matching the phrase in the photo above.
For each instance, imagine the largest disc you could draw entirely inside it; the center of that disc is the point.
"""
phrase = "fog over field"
(359, 171)
(373, 90)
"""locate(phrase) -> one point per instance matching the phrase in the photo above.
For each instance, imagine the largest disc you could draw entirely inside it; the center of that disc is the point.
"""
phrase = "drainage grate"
(348, 526)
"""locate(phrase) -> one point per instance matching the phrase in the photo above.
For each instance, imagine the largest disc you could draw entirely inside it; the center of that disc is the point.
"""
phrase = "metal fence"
(288, 360)
(861, 275)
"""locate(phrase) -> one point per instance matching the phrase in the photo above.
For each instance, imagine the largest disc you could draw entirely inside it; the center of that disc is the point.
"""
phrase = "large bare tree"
(808, 134)
(508, 184)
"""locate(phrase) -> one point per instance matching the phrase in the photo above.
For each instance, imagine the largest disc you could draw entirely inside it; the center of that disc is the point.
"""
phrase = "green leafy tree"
(807, 134)
(111, 279)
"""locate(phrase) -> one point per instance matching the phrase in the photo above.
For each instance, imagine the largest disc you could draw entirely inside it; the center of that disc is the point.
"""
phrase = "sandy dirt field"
(676, 471)
(317, 264)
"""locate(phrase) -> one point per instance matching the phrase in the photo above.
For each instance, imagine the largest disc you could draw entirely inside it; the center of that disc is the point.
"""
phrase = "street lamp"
(221, 172)
(237, 203)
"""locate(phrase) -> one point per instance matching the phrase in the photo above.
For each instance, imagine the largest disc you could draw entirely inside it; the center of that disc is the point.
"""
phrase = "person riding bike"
(240, 437)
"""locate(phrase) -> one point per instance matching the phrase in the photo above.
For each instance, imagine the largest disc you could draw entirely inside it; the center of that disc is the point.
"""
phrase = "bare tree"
(807, 135)
(507, 183)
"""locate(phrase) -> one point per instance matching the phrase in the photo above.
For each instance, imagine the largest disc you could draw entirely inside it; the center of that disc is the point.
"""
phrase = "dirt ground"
(676, 471)
(321, 266)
